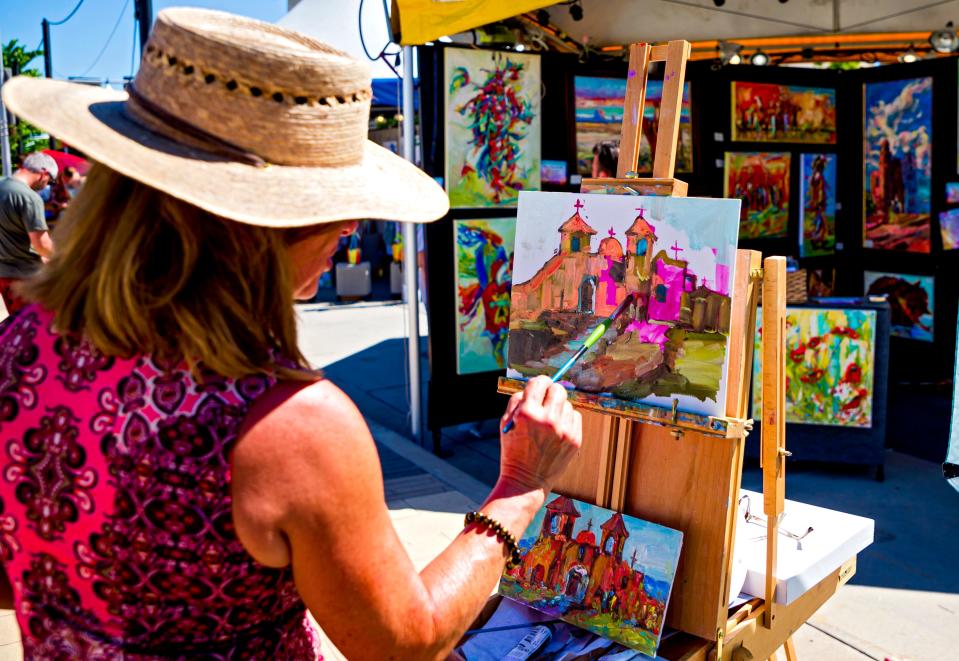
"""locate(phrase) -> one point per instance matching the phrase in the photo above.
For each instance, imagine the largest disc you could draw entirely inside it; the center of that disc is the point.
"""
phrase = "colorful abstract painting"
(949, 228)
(577, 259)
(761, 181)
(817, 231)
(483, 268)
(492, 126)
(767, 112)
(599, 118)
(898, 156)
(911, 300)
(597, 569)
(952, 192)
(830, 366)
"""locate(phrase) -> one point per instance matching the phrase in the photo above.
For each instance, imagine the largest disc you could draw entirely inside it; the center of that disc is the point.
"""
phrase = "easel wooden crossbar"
(685, 471)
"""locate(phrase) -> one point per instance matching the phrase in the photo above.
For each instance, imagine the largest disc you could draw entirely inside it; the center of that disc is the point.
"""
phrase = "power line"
(109, 39)
(69, 16)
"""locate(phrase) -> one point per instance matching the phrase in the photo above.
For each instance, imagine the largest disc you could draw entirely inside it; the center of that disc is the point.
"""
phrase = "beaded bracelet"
(502, 534)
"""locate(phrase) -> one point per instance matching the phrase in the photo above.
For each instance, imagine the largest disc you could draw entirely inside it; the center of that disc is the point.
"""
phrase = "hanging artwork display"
(817, 185)
(768, 112)
(761, 181)
(597, 569)
(599, 118)
(830, 366)
(821, 282)
(911, 300)
(898, 164)
(676, 255)
(952, 192)
(949, 228)
(483, 268)
(492, 126)
(553, 172)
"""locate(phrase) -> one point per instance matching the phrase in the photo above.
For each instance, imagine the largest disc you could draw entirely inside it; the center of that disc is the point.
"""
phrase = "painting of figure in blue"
(818, 195)
(483, 266)
(597, 569)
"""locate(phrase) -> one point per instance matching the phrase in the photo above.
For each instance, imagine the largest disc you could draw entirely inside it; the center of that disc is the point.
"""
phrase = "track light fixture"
(945, 40)
(759, 59)
(729, 53)
(576, 10)
(909, 56)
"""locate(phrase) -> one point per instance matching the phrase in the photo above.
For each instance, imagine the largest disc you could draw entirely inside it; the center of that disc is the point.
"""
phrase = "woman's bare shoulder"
(301, 447)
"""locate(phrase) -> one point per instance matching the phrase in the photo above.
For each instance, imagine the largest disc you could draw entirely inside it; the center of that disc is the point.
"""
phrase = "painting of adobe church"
(576, 259)
(597, 569)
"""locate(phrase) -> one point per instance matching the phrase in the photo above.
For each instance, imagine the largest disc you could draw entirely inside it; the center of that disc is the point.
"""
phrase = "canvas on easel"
(597, 569)
(579, 256)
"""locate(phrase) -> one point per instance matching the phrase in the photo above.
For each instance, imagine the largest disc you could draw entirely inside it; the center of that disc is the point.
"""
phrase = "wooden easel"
(682, 470)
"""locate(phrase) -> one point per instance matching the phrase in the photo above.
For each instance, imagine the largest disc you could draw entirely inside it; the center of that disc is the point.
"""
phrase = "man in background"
(24, 237)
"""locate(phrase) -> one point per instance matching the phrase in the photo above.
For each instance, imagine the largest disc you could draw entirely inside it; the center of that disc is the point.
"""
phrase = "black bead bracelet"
(502, 534)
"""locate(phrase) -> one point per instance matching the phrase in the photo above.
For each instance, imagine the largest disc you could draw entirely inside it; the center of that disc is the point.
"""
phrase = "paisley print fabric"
(116, 525)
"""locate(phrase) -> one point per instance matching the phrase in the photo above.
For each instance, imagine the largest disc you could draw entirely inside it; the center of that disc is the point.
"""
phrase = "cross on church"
(705, 282)
(611, 232)
(579, 205)
(676, 249)
(641, 211)
(589, 525)
(632, 559)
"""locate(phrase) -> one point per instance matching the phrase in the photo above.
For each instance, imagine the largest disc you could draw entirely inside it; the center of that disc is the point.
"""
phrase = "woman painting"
(175, 480)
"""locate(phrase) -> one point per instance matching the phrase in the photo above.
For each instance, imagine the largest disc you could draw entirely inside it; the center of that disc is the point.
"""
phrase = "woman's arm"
(308, 490)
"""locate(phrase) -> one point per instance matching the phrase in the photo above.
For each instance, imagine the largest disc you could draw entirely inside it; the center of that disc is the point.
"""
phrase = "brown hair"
(137, 271)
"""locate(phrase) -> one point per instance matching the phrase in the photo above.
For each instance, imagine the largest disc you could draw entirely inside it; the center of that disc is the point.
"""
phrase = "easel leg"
(790, 649)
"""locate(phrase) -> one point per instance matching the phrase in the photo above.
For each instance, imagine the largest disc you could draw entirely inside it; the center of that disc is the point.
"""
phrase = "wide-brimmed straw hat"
(244, 119)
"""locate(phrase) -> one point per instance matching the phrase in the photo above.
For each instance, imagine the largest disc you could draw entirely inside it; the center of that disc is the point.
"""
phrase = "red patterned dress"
(116, 526)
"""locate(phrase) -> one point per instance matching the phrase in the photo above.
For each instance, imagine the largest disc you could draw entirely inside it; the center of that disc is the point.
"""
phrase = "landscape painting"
(766, 112)
(597, 569)
(483, 268)
(493, 135)
(911, 300)
(898, 165)
(952, 192)
(761, 181)
(817, 231)
(830, 366)
(577, 259)
(599, 118)
(949, 228)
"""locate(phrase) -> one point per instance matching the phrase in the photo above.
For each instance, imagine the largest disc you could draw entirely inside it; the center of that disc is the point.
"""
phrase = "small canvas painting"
(577, 259)
(949, 228)
(767, 112)
(599, 118)
(952, 192)
(898, 169)
(492, 126)
(761, 181)
(830, 366)
(483, 267)
(554, 172)
(597, 569)
(817, 231)
(821, 283)
(911, 300)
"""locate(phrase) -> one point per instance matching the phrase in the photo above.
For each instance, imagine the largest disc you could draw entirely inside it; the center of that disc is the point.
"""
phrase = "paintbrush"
(597, 333)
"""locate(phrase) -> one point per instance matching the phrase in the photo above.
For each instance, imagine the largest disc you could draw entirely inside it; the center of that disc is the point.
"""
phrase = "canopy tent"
(607, 22)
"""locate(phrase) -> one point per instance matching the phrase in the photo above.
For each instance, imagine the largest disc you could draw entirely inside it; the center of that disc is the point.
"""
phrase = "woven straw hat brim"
(92, 119)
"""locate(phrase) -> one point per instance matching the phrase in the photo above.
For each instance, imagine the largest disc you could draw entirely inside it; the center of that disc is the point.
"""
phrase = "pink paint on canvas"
(666, 296)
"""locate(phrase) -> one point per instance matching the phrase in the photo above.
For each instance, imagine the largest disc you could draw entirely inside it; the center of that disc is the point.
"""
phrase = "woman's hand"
(547, 434)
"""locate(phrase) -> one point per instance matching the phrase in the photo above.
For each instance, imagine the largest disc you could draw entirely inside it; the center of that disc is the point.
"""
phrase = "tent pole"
(410, 269)
(4, 127)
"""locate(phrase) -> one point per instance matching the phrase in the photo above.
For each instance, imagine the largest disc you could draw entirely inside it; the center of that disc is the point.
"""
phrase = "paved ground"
(902, 604)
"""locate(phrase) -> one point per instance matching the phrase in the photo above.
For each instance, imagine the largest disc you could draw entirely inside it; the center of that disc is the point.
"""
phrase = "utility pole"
(47, 51)
(144, 14)
(4, 127)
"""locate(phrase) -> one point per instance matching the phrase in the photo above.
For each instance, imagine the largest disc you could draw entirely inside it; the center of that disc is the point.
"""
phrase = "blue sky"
(77, 43)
